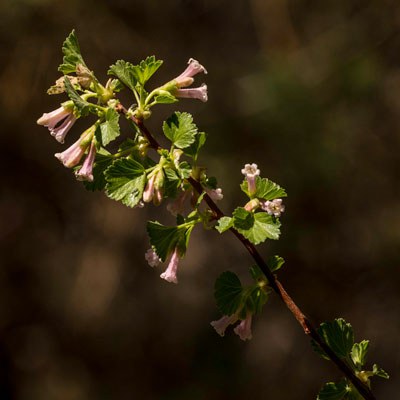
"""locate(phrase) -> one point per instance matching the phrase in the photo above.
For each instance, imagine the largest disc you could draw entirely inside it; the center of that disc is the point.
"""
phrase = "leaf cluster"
(339, 336)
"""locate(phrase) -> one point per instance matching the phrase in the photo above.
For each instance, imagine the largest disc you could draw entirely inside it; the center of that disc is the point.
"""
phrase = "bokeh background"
(307, 89)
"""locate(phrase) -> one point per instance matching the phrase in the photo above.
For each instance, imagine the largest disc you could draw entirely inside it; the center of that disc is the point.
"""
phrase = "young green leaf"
(180, 129)
(124, 71)
(125, 181)
(359, 353)
(165, 98)
(184, 170)
(110, 128)
(82, 106)
(72, 54)
(171, 183)
(228, 293)
(194, 148)
(264, 227)
(102, 162)
(165, 238)
(266, 189)
(243, 219)
(275, 262)
(334, 391)
(145, 70)
(224, 223)
(378, 371)
(338, 335)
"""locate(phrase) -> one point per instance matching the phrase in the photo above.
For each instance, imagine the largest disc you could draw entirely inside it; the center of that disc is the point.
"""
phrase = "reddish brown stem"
(305, 323)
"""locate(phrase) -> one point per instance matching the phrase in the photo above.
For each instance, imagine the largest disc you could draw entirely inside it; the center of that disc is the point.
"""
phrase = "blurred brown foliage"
(309, 90)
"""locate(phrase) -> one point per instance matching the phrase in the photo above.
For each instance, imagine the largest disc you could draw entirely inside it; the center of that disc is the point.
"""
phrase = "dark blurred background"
(310, 91)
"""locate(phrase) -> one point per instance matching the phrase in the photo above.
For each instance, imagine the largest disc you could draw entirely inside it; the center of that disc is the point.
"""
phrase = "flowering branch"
(132, 177)
(305, 323)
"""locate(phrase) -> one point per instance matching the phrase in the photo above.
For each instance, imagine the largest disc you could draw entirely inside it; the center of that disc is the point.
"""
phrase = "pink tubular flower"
(199, 93)
(223, 323)
(170, 273)
(274, 207)
(86, 171)
(243, 330)
(72, 156)
(215, 194)
(186, 77)
(149, 190)
(152, 258)
(250, 171)
(59, 122)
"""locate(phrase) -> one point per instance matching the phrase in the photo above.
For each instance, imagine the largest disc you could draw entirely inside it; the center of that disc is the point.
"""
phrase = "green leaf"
(171, 183)
(194, 148)
(124, 71)
(359, 353)
(164, 239)
(338, 335)
(275, 262)
(256, 300)
(266, 189)
(211, 182)
(228, 293)
(334, 391)
(102, 162)
(145, 70)
(378, 371)
(82, 106)
(184, 170)
(110, 128)
(180, 129)
(243, 219)
(125, 181)
(257, 273)
(165, 98)
(224, 223)
(264, 227)
(72, 54)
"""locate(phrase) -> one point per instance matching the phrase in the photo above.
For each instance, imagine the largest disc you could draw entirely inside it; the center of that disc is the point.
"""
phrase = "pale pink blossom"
(186, 77)
(73, 155)
(86, 171)
(223, 323)
(152, 258)
(170, 273)
(199, 93)
(59, 122)
(250, 171)
(215, 194)
(158, 196)
(243, 330)
(274, 207)
(149, 189)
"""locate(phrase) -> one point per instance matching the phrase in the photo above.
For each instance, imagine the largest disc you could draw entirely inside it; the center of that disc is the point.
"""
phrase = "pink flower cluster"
(185, 79)
(59, 122)
(243, 329)
(170, 274)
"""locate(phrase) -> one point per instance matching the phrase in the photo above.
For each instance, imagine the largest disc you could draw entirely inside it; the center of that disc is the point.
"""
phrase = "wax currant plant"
(142, 171)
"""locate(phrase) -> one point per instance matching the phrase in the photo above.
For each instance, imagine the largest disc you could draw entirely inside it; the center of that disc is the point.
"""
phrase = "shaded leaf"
(228, 293)
(333, 391)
